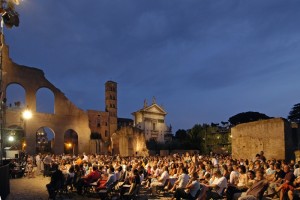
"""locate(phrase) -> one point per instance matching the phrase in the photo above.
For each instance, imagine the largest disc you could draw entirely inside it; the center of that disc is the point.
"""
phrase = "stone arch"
(71, 142)
(45, 138)
(15, 95)
(67, 115)
(45, 100)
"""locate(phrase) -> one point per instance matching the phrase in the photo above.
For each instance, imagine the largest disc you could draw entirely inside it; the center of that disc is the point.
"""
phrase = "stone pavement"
(35, 189)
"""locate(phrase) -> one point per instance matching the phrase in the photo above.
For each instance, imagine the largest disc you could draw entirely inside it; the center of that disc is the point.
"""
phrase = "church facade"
(151, 120)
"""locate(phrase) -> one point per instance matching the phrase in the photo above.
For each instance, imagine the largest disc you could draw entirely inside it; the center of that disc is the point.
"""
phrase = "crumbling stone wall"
(273, 136)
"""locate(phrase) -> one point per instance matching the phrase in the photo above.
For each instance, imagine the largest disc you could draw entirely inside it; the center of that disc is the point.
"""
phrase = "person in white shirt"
(270, 170)
(38, 161)
(234, 175)
(217, 187)
(182, 180)
(192, 189)
(85, 158)
(162, 179)
(297, 170)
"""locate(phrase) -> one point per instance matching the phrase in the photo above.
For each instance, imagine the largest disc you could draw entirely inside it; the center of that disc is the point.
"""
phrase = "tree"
(245, 117)
(294, 115)
(181, 134)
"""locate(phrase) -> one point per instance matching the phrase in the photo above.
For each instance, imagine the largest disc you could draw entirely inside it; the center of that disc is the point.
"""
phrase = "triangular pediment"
(154, 108)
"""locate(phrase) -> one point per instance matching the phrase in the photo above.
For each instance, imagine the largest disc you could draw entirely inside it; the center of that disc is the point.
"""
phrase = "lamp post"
(71, 145)
(26, 115)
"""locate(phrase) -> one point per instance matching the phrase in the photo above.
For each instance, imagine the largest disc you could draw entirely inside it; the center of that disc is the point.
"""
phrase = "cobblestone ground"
(35, 189)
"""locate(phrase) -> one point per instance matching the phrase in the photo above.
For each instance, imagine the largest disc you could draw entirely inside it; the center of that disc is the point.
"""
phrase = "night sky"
(203, 60)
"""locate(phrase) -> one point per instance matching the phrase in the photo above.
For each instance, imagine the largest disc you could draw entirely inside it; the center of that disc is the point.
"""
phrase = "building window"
(98, 123)
(154, 126)
(106, 133)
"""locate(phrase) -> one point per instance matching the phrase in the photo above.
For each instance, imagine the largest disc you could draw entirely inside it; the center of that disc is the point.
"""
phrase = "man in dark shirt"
(276, 179)
(287, 187)
(279, 173)
(57, 181)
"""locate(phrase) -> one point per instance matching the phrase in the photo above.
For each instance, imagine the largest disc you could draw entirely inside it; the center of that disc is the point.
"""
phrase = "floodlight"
(27, 114)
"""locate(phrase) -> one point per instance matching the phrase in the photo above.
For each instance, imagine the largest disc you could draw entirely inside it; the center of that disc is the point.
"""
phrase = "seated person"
(161, 181)
(90, 178)
(70, 177)
(241, 185)
(191, 191)
(297, 170)
(111, 179)
(57, 181)
(288, 185)
(257, 189)
(135, 181)
(217, 187)
(297, 187)
(182, 180)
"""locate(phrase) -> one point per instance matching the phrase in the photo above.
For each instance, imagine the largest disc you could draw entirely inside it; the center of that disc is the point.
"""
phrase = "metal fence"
(4, 181)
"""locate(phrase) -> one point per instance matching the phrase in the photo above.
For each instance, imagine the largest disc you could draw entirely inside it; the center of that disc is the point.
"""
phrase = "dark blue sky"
(203, 60)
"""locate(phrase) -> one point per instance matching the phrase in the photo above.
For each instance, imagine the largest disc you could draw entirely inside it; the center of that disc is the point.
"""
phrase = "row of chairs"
(114, 190)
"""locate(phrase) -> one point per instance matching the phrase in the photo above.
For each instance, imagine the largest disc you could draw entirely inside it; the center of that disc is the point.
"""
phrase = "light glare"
(27, 114)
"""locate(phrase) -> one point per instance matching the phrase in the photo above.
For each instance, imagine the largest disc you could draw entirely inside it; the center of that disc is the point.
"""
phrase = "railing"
(4, 181)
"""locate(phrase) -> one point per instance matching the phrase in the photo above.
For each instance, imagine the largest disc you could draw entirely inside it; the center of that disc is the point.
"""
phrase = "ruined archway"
(45, 101)
(15, 96)
(71, 142)
(44, 140)
(65, 114)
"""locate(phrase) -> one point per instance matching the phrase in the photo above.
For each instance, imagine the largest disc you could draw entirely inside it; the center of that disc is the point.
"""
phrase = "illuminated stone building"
(151, 119)
(104, 123)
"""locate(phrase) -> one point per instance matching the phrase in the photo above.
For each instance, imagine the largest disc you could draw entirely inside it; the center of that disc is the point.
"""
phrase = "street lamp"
(26, 115)
(70, 145)
(11, 138)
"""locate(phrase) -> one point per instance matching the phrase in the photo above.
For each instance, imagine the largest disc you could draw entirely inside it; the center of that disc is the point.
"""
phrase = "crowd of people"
(186, 176)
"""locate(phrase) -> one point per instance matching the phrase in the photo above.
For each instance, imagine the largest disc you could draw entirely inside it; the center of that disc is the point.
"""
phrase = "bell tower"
(111, 105)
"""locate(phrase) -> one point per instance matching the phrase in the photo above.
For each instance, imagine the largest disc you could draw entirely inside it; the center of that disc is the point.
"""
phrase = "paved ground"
(35, 189)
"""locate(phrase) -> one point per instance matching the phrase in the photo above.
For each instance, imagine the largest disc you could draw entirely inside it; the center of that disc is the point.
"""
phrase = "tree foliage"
(294, 115)
(181, 134)
(245, 117)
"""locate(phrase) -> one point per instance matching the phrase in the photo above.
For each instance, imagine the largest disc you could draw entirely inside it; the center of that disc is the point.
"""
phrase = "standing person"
(47, 161)
(38, 163)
